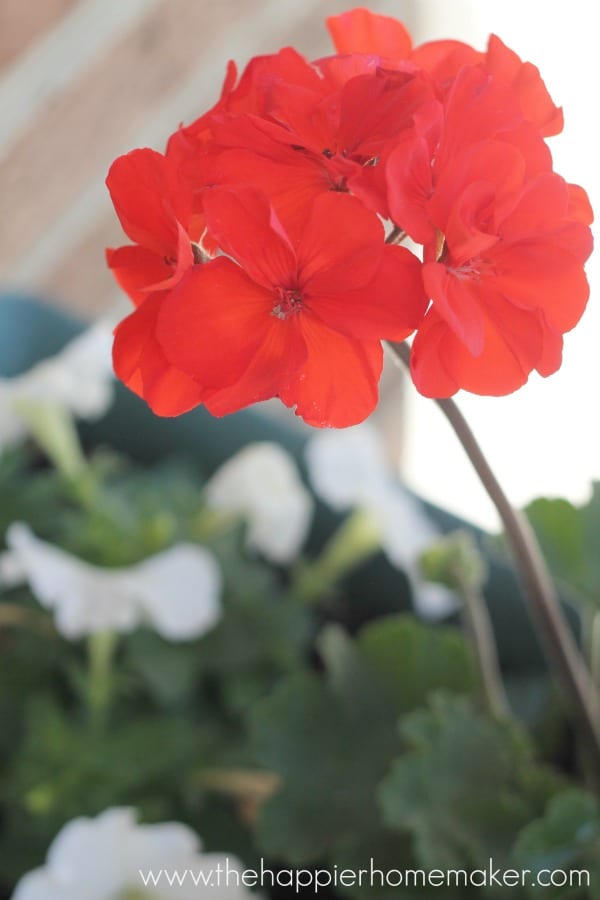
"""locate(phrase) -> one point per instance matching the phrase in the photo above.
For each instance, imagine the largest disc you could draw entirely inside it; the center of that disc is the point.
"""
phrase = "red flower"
(154, 205)
(477, 108)
(302, 324)
(361, 31)
(508, 281)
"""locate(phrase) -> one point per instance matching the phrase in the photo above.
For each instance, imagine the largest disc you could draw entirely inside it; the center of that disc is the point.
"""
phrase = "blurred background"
(82, 81)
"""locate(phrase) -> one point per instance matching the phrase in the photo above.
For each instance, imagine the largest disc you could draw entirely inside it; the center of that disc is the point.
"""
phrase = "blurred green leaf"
(415, 659)
(465, 786)
(570, 540)
(332, 738)
(566, 837)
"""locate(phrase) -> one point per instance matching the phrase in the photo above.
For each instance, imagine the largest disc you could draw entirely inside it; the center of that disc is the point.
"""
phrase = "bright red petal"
(444, 59)
(542, 274)
(280, 356)
(135, 268)
(525, 80)
(341, 247)
(361, 31)
(390, 307)
(242, 222)
(213, 323)
(289, 178)
(515, 343)
(338, 385)
(140, 363)
(150, 197)
(458, 301)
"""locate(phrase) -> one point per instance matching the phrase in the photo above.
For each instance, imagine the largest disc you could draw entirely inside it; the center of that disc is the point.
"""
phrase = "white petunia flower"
(111, 857)
(261, 483)
(176, 591)
(78, 378)
(348, 470)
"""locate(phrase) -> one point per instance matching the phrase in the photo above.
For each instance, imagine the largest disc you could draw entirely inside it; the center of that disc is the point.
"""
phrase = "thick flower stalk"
(259, 265)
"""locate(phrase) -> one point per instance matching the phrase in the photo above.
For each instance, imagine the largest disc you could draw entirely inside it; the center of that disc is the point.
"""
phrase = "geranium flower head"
(289, 182)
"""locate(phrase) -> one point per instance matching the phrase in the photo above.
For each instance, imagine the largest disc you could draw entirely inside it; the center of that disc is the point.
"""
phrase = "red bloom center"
(289, 302)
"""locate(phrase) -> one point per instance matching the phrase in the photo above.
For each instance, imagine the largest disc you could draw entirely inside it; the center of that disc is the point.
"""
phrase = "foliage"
(277, 733)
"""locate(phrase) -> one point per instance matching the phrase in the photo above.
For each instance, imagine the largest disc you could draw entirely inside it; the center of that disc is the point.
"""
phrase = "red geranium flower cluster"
(265, 259)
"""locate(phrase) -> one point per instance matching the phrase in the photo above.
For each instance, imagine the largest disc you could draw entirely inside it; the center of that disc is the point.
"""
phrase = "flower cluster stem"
(557, 640)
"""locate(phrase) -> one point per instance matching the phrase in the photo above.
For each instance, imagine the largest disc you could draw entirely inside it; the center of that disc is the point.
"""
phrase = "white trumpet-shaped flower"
(78, 378)
(176, 591)
(112, 857)
(261, 483)
(348, 470)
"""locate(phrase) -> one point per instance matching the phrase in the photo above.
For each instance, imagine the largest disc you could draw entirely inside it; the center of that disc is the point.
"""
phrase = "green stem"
(562, 653)
(479, 628)
(101, 648)
(355, 541)
(53, 429)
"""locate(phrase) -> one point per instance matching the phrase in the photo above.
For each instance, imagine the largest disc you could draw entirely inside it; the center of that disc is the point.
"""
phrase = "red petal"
(524, 78)
(580, 207)
(150, 197)
(390, 307)
(212, 324)
(361, 31)
(457, 301)
(242, 222)
(290, 179)
(341, 247)
(281, 354)
(135, 268)
(409, 174)
(493, 164)
(444, 59)
(141, 364)
(515, 343)
(338, 385)
(477, 108)
(542, 274)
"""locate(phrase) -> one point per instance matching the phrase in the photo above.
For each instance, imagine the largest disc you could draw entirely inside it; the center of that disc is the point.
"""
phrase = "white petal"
(84, 598)
(406, 528)
(102, 858)
(433, 601)
(41, 884)
(347, 467)
(94, 851)
(262, 483)
(79, 378)
(179, 591)
(87, 858)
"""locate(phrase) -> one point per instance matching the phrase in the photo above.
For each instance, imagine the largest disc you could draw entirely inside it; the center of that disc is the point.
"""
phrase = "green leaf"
(465, 786)
(332, 738)
(566, 838)
(570, 539)
(415, 659)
